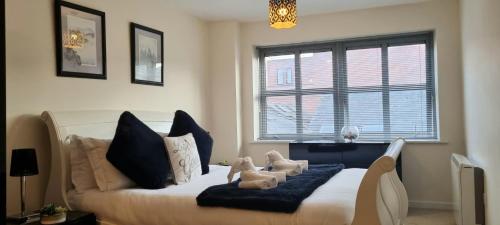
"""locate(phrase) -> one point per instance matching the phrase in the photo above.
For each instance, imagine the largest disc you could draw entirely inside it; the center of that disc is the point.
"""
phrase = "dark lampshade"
(23, 163)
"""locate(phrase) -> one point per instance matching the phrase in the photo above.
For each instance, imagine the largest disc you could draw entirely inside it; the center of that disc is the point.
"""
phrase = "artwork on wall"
(80, 41)
(147, 55)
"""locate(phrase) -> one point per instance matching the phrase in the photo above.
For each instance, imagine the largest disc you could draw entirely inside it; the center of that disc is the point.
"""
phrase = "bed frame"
(381, 198)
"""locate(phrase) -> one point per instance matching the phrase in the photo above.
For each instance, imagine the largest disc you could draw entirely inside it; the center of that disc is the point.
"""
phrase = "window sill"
(271, 141)
(408, 141)
(427, 142)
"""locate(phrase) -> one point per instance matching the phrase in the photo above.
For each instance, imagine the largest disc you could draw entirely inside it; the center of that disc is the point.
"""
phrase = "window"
(284, 76)
(383, 85)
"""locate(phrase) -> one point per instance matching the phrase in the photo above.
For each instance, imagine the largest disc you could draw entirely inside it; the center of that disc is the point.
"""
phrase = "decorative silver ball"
(350, 133)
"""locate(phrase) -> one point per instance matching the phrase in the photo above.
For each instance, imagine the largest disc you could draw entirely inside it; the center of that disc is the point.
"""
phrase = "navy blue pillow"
(184, 124)
(139, 153)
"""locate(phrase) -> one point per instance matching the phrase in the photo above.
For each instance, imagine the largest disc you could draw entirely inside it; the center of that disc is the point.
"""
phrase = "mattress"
(331, 204)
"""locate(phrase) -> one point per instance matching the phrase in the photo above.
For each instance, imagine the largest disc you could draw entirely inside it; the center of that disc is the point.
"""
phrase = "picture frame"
(147, 58)
(80, 41)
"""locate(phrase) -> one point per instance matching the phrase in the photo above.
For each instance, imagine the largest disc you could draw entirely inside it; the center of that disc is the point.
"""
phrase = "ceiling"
(256, 10)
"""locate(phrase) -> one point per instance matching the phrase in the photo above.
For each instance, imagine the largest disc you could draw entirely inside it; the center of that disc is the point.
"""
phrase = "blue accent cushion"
(184, 124)
(139, 153)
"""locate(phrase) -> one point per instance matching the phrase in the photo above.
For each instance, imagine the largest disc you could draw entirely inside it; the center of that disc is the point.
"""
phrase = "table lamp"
(23, 163)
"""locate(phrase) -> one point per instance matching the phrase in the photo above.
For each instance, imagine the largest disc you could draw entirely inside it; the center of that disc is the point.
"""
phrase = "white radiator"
(468, 191)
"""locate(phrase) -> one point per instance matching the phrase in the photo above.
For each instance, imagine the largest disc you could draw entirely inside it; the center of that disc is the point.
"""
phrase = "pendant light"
(282, 13)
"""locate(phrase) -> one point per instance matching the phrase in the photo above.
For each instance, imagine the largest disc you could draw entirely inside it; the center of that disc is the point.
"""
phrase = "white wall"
(481, 67)
(425, 166)
(224, 64)
(32, 84)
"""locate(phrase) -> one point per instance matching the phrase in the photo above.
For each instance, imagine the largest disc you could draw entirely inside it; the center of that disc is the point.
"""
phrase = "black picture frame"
(100, 42)
(134, 27)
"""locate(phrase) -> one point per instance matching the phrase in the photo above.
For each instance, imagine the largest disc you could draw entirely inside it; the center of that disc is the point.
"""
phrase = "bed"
(373, 196)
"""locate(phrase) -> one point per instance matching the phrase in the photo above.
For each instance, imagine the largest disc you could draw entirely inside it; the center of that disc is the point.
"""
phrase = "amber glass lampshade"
(282, 13)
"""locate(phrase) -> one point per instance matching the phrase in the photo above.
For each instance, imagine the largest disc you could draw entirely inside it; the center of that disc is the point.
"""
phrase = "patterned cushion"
(184, 158)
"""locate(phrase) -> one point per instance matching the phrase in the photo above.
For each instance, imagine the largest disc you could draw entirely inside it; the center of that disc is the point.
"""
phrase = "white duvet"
(330, 204)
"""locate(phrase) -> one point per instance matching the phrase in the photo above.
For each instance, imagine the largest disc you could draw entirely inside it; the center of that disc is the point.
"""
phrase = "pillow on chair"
(184, 124)
(139, 153)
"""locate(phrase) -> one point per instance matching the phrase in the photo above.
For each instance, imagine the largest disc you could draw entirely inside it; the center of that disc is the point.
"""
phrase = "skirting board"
(431, 205)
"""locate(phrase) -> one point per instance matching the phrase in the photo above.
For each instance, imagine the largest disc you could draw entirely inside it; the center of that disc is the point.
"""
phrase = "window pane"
(366, 112)
(384, 89)
(408, 111)
(317, 114)
(364, 67)
(280, 72)
(281, 117)
(407, 64)
(281, 77)
(316, 70)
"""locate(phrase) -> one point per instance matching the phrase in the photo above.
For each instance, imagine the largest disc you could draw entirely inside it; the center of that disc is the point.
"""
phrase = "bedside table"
(72, 218)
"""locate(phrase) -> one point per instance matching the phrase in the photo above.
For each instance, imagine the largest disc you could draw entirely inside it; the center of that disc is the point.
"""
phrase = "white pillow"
(184, 158)
(82, 175)
(107, 177)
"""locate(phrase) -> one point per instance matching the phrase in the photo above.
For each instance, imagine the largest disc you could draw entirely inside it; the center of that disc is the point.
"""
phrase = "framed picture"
(147, 55)
(80, 41)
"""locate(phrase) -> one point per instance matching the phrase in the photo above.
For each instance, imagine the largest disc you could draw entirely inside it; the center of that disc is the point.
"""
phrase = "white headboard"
(97, 124)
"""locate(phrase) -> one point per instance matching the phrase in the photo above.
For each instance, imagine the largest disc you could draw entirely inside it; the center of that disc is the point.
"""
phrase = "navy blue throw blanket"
(285, 198)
